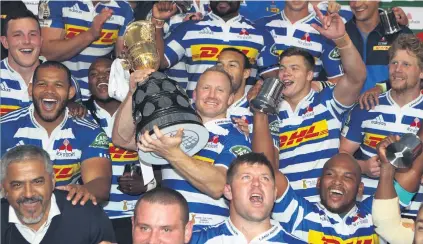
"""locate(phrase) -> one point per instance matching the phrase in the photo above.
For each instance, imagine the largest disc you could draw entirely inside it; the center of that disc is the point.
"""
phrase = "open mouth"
(103, 86)
(49, 104)
(288, 83)
(256, 198)
(336, 194)
(26, 50)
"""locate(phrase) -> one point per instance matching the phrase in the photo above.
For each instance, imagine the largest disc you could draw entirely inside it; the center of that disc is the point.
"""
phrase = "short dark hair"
(54, 64)
(18, 15)
(250, 159)
(165, 196)
(247, 64)
(296, 51)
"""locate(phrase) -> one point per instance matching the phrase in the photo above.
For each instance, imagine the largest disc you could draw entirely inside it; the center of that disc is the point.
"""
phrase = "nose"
(27, 39)
(284, 74)
(154, 237)
(256, 181)
(28, 192)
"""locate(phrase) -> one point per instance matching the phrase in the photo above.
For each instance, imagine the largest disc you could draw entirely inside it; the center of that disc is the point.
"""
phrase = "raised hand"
(98, 22)
(332, 25)
(78, 193)
(163, 10)
(138, 77)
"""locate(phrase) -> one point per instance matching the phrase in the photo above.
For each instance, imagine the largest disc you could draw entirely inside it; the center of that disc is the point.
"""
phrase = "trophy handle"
(125, 64)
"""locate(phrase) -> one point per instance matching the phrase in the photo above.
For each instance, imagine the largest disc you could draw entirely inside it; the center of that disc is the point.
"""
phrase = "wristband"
(403, 195)
(343, 42)
(151, 185)
(158, 22)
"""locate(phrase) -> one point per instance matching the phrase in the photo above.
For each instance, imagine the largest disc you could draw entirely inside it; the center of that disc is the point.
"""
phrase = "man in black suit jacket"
(33, 212)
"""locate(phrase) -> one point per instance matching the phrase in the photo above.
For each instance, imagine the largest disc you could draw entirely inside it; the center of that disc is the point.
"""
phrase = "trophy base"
(194, 139)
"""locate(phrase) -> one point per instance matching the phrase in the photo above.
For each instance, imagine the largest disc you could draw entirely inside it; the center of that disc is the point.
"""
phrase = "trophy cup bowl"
(159, 100)
(388, 21)
(401, 154)
(269, 96)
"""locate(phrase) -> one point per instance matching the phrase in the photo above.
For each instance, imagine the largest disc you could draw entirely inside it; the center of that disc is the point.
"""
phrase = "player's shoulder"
(15, 117)
(83, 124)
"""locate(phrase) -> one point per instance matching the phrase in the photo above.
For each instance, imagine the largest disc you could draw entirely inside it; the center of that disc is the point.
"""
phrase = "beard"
(234, 7)
(60, 110)
(32, 219)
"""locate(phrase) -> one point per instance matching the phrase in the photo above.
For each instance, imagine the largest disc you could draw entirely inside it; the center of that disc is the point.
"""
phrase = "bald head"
(345, 160)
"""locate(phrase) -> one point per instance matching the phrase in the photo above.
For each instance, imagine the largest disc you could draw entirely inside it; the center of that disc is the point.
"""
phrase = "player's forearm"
(354, 67)
(160, 48)
(385, 188)
(100, 188)
(262, 139)
(62, 50)
(202, 175)
(123, 134)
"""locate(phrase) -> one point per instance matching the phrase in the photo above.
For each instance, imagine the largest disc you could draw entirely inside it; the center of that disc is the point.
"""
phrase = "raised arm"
(56, 47)
(123, 134)
(347, 89)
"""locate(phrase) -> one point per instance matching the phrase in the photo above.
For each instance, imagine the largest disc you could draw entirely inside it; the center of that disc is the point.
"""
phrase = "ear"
(30, 89)
(421, 75)
(4, 42)
(318, 183)
(231, 99)
(72, 92)
(246, 74)
(310, 75)
(188, 231)
(276, 194)
(360, 189)
(227, 192)
(53, 180)
(194, 95)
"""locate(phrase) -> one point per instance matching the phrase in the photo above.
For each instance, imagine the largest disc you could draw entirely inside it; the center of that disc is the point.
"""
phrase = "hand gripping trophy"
(159, 100)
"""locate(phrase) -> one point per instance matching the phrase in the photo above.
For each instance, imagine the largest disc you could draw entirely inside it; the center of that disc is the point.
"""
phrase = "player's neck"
(49, 126)
(404, 97)
(111, 105)
(206, 119)
(240, 93)
(293, 16)
(295, 100)
(368, 25)
(250, 229)
(25, 72)
(230, 16)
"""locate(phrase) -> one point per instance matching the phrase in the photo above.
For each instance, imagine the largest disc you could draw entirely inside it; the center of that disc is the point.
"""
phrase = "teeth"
(256, 198)
(26, 50)
(49, 100)
(336, 192)
(102, 84)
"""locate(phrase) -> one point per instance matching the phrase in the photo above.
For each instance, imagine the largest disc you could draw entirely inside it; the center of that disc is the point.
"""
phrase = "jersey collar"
(276, 227)
(301, 21)
(216, 18)
(411, 104)
(284, 105)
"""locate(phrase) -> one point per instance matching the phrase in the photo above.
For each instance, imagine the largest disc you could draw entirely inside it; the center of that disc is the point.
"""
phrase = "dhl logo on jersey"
(371, 140)
(121, 155)
(65, 172)
(107, 37)
(4, 109)
(315, 237)
(211, 52)
(313, 132)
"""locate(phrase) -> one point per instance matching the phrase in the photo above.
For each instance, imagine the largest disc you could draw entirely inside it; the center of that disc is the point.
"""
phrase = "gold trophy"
(140, 44)
(159, 100)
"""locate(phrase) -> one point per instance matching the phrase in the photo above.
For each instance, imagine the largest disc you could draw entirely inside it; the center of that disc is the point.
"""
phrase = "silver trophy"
(402, 153)
(269, 96)
(389, 22)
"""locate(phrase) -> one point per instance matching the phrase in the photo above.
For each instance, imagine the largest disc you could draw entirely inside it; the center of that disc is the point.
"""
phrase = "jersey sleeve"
(352, 129)
(50, 14)
(174, 46)
(97, 145)
(327, 98)
(331, 59)
(129, 16)
(267, 60)
(290, 210)
(233, 146)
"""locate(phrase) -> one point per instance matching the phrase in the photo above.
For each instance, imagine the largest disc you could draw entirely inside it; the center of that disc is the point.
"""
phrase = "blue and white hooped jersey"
(224, 145)
(301, 34)
(368, 128)
(199, 44)
(13, 89)
(71, 142)
(308, 137)
(76, 17)
(313, 223)
(227, 233)
(120, 205)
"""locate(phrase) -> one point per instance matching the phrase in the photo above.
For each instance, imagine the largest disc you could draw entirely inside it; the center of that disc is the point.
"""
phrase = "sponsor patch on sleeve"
(334, 54)
(101, 141)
